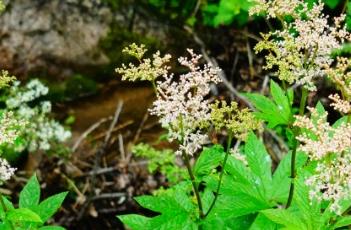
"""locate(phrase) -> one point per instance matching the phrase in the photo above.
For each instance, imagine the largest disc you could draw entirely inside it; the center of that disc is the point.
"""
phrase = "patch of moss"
(74, 87)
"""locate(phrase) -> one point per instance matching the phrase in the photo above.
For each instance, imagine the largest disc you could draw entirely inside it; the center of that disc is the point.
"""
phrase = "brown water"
(136, 100)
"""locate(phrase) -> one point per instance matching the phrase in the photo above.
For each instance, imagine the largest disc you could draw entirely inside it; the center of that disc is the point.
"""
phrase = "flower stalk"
(194, 184)
(229, 143)
(304, 95)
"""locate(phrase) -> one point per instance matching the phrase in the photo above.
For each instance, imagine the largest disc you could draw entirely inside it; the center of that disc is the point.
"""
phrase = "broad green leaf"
(281, 100)
(52, 228)
(134, 221)
(6, 225)
(209, 159)
(175, 212)
(267, 110)
(23, 215)
(207, 198)
(239, 172)
(9, 206)
(342, 120)
(259, 162)
(343, 222)
(242, 222)
(49, 206)
(281, 177)
(320, 109)
(236, 199)
(285, 217)
(30, 194)
(262, 222)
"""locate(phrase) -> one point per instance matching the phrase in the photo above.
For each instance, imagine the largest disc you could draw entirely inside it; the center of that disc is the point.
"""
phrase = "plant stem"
(194, 184)
(293, 154)
(154, 86)
(3, 205)
(303, 101)
(229, 142)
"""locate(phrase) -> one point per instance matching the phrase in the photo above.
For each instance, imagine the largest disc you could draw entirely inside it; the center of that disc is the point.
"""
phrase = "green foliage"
(163, 161)
(275, 111)
(226, 12)
(246, 190)
(31, 213)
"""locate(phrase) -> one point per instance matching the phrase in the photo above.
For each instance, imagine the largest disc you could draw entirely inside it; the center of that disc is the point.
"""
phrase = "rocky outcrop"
(60, 37)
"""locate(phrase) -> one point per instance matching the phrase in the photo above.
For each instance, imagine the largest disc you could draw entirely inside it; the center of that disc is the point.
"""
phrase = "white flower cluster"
(181, 105)
(274, 9)
(302, 55)
(9, 128)
(330, 147)
(40, 131)
(6, 171)
(343, 106)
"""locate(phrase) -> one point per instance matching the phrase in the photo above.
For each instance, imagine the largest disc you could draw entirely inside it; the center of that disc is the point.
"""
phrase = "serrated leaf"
(30, 194)
(209, 159)
(280, 99)
(284, 217)
(49, 206)
(9, 206)
(236, 199)
(259, 162)
(262, 222)
(23, 215)
(241, 222)
(343, 222)
(281, 177)
(267, 110)
(134, 221)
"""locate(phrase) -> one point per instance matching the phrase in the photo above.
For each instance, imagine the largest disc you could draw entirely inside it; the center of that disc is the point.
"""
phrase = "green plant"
(163, 161)
(37, 131)
(235, 187)
(30, 213)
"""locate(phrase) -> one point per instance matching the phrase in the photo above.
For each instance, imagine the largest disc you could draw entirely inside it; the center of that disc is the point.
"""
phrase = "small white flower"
(6, 171)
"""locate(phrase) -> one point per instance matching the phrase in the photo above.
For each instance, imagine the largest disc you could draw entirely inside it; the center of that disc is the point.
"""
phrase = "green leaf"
(49, 206)
(277, 111)
(52, 228)
(281, 177)
(30, 194)
(134, 221)
(284, 217)
(280, 99)
(332, 4)
(6, 225)
(23, 215)
(262, 222)
(236, 199)
(343, 222)
(9, 206)
(209, 159)
(259, 162)
(242, 222)
(267, 110)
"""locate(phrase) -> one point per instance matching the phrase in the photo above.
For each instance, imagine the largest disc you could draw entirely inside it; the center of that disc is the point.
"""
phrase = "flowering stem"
(195, 186)
(293, 154)
(154, 86)
(3, 205)
(303, 101)
(229, 142)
